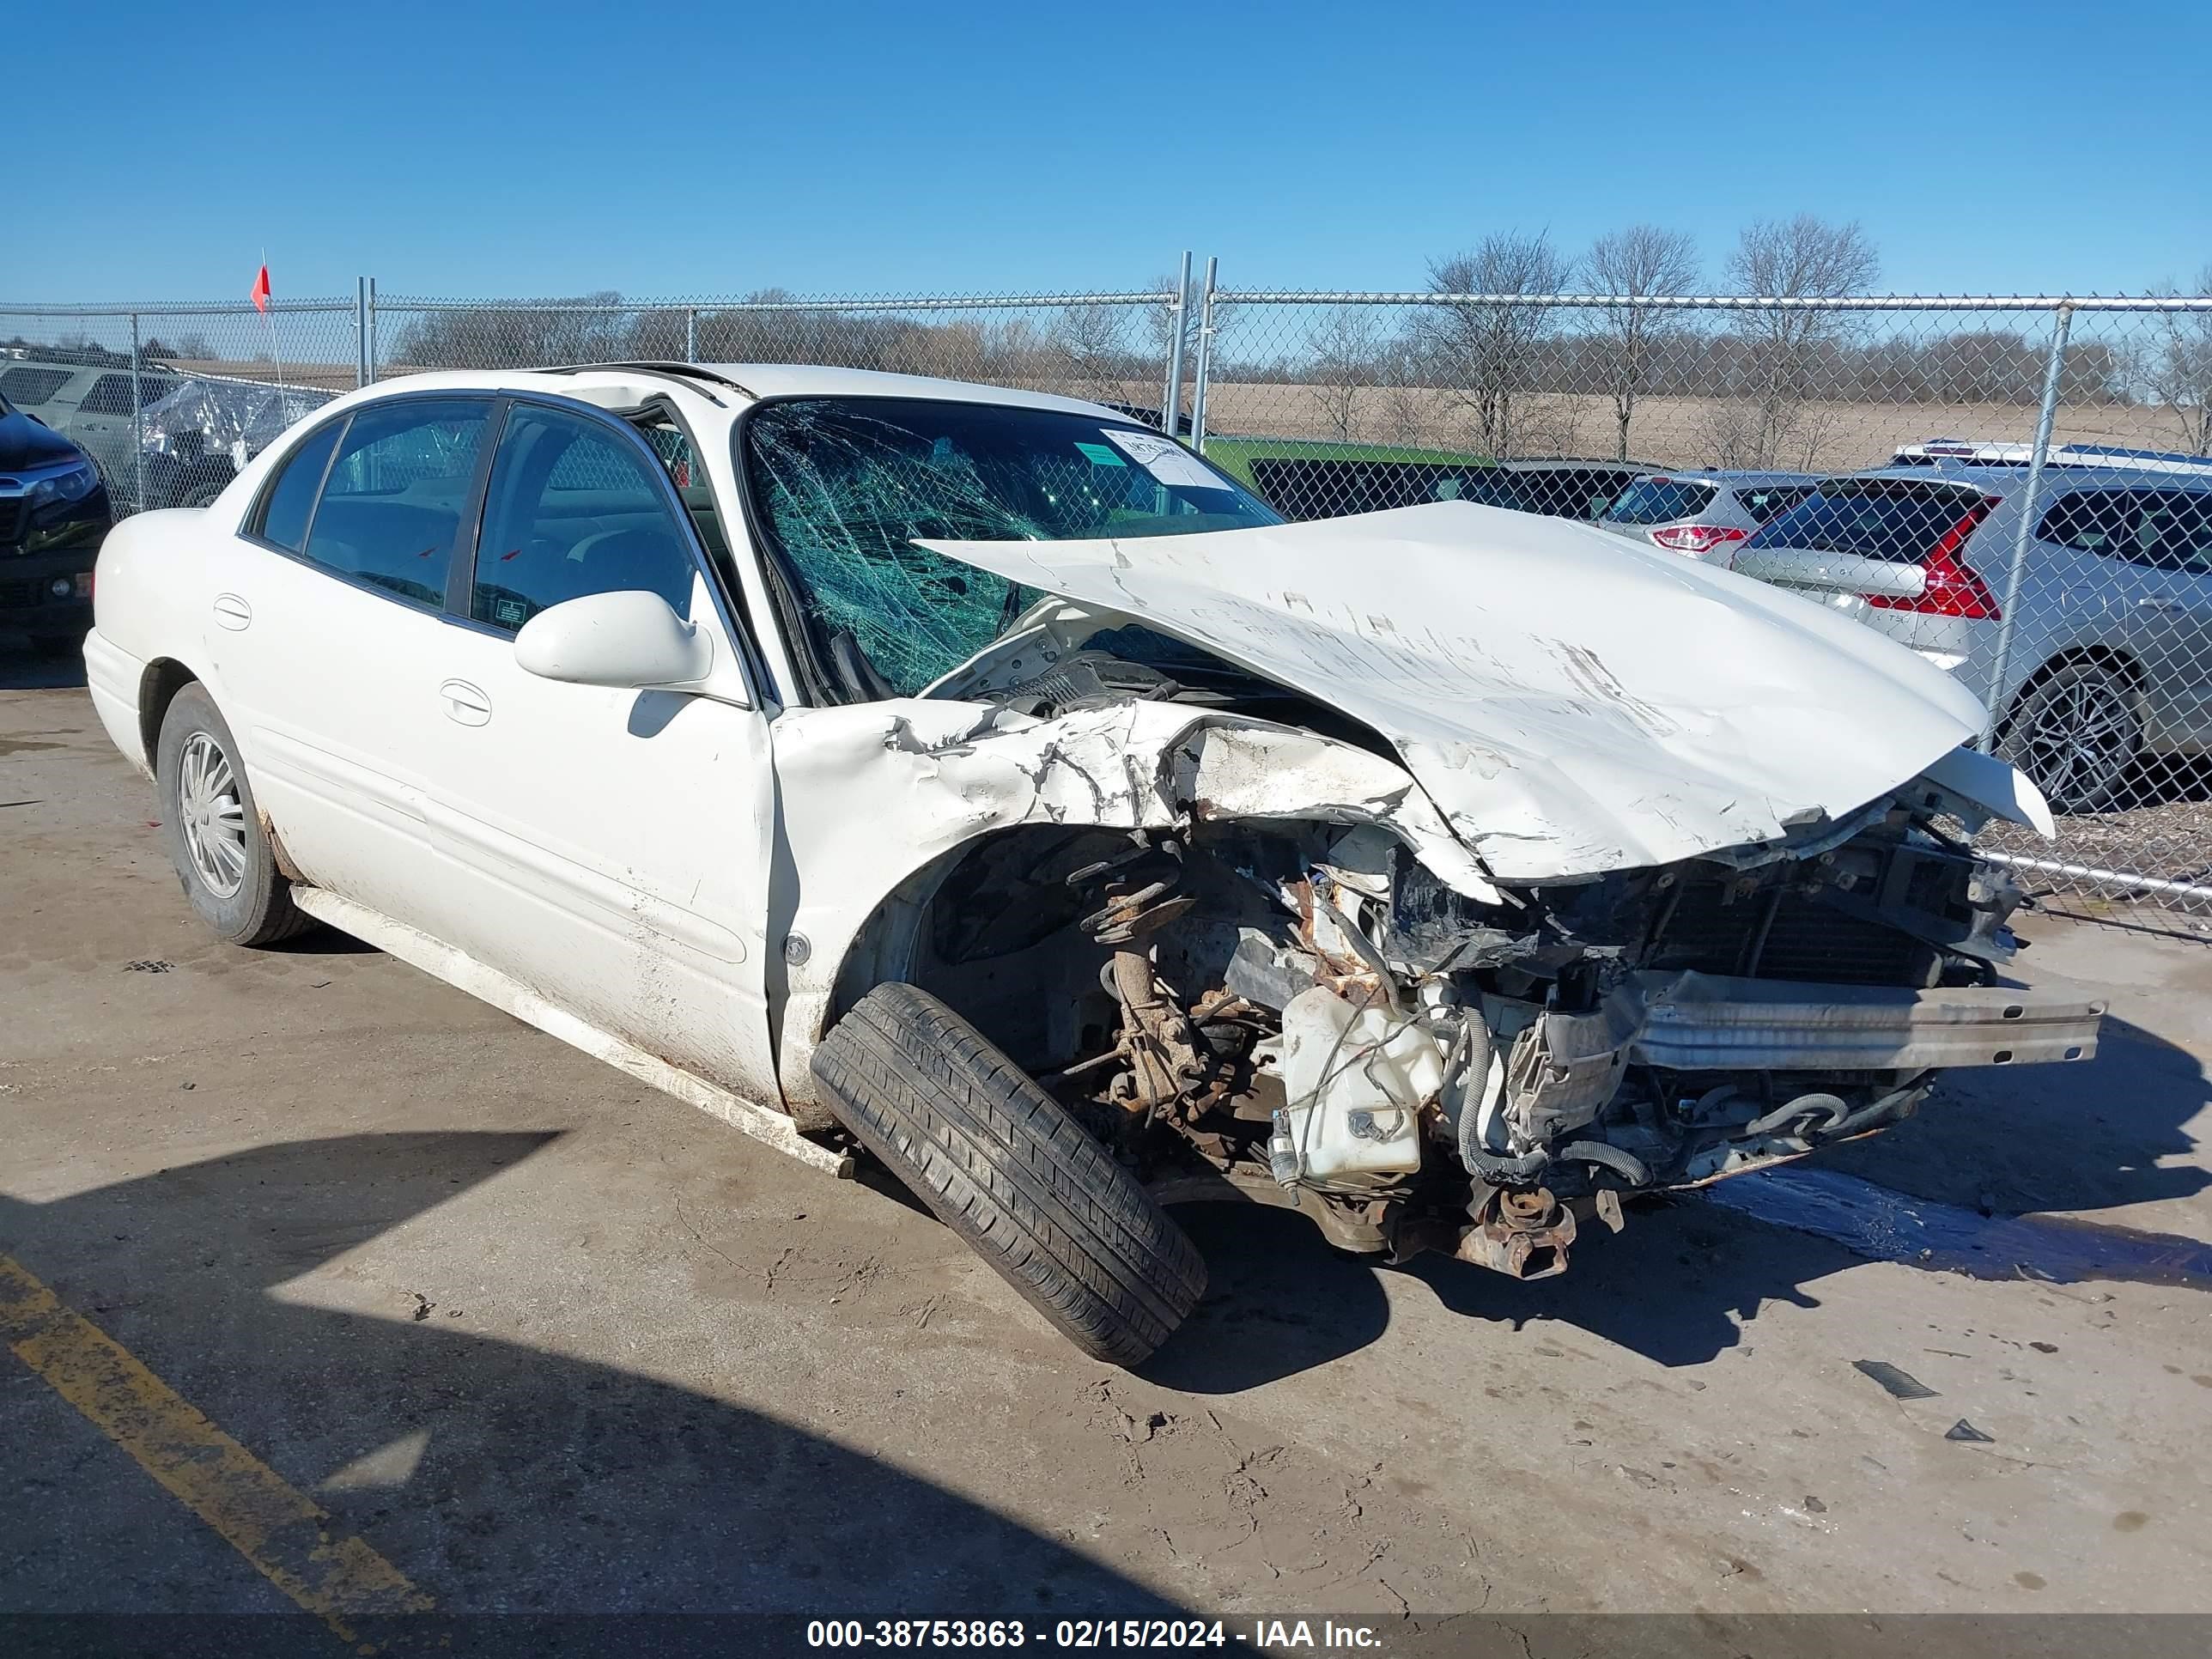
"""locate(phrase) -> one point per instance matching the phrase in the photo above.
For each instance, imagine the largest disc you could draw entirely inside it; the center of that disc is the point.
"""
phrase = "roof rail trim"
(679, 371)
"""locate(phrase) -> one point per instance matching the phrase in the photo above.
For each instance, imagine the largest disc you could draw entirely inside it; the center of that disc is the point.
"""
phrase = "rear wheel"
(1000, 1163)
(2077, 732)
(215, 838)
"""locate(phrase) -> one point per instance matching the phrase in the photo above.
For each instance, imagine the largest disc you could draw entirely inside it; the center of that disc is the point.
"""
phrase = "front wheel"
(2077, 732)
(1002, 1163)
(213, 835)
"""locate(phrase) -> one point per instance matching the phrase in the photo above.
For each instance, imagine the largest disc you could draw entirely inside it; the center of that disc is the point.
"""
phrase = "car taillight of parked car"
(1949, 587)
(1696, 539)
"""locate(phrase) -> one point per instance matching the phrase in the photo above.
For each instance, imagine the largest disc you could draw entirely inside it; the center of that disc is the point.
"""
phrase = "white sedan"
(976, 780)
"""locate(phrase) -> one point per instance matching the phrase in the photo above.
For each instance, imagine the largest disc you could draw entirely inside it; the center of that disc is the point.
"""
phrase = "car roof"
(1731, 475)
(752, 381)
(1993, 480)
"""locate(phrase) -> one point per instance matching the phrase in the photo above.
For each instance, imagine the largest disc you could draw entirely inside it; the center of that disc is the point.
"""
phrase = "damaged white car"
(974, 781)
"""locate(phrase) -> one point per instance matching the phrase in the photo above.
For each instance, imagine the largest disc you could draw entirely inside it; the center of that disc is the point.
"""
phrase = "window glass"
(1661, 500)
(396, 493)
(291, 500)
(32, 387)
(2162, 529)
(110, 395)
(1771, 500)
(847, 485)
(1895, 519)
(573, 508)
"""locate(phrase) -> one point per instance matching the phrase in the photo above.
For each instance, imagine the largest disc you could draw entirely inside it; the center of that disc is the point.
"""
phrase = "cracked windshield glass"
(847, 485)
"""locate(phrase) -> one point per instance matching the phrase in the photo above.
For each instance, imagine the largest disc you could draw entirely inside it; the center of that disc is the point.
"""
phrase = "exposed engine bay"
(1306, 1012)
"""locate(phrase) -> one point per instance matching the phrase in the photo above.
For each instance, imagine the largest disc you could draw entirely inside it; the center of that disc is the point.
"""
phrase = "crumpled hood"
(1573, 703)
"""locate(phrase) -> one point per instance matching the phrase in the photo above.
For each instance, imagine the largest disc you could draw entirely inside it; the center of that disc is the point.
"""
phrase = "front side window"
(844, 486)
(573, 508)
(393, 503)
(111, 394)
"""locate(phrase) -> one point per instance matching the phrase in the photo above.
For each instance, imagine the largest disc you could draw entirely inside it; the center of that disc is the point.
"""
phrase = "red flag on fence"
(261, 289)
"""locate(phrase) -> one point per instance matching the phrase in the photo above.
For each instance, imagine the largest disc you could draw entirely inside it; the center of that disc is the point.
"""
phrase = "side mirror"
(630, 640)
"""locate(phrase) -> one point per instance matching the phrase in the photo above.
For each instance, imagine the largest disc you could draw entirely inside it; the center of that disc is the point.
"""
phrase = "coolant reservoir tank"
(1355, 1079)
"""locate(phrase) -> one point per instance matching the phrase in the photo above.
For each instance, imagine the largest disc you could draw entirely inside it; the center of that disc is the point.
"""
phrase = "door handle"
(2158, 603)
(464, 703)
(232, 612)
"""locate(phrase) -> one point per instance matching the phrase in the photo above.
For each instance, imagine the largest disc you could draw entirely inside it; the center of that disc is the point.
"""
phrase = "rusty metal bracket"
(1520, 1234)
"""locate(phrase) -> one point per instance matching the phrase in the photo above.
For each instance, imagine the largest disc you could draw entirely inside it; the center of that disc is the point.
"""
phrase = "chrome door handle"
(232, 612)
(2158, 603)
(464, 703)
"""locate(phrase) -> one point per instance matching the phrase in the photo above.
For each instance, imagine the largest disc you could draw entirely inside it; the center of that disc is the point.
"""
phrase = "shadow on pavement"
(22, 669)
(497, 1477)
(1679, 1284)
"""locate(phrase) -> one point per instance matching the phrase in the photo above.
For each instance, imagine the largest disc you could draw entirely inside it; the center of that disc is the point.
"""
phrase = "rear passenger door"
(326, 613)
(616, 842)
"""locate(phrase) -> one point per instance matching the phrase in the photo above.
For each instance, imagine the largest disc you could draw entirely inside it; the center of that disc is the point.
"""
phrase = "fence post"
(1205, 355)
(1171, 399)
(690, 334)
(2024, 531)
(138, 424)
(368, 339)
(361, 330)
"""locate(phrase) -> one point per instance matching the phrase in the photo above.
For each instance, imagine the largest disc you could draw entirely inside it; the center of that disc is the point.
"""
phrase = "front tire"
(2076, 732)
(1000, 1163)
(212, 830)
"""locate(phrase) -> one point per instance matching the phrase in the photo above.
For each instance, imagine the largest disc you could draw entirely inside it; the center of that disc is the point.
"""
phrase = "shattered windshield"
(846, 485)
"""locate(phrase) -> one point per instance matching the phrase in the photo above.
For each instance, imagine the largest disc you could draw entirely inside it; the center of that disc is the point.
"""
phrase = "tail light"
(1696, 540)
(1951, 586)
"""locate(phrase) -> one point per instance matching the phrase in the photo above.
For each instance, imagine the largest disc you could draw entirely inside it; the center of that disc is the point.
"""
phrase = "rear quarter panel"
(150, 602)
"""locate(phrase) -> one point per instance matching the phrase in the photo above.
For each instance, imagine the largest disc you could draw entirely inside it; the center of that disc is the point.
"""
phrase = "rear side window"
(573, 508)
(2161, 529)
(291, 500)
(1896, 520)
(393, 503)
(1661, 500)
(1771, 500)
(32, 387)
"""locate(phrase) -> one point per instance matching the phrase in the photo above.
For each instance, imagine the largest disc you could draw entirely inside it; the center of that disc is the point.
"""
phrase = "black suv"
(53, 517)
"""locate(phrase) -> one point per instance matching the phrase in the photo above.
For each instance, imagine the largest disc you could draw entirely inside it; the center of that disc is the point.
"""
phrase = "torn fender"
(1573, 703)
(873, 793)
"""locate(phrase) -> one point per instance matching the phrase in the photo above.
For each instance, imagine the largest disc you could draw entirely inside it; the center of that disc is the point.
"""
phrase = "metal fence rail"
(2086, 624)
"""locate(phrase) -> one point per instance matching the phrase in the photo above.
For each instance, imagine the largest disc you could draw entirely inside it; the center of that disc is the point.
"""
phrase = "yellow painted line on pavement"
(288, 1538)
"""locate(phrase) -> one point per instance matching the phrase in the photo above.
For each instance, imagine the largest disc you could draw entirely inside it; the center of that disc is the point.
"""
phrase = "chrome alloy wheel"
(211, 815)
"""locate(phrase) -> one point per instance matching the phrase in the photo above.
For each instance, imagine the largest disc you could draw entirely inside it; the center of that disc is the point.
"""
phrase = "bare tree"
(2180, 369)
(1801, 259)
(1486, 353)
(1091, 349)
(1642, 262)
(1347, 353)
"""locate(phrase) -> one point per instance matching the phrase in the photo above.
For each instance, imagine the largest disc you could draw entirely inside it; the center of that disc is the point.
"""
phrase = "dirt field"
(1827, 437)
(542, 1340)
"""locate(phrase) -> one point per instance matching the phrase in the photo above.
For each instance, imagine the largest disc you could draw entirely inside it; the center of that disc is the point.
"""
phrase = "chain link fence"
(2020, 488)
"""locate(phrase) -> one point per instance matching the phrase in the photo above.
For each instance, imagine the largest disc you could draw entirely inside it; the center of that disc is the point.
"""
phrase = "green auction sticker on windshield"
(1101, 455)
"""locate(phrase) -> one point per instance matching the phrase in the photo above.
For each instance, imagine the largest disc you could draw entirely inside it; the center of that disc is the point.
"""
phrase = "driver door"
(617, 840)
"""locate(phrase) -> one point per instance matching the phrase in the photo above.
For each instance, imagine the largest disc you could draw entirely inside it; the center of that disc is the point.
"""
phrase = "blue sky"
(464, 149)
